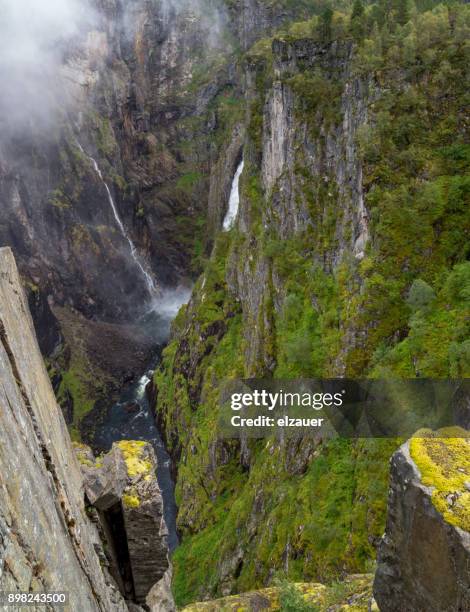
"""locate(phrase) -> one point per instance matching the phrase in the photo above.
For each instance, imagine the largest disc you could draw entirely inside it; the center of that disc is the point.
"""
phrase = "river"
(132, 417)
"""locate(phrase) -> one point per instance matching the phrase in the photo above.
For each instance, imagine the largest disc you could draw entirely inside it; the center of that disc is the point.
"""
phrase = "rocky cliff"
(47, 540)
(151, 93)
(424, 555)
(347, 258)
(349, 254)
(134, 99)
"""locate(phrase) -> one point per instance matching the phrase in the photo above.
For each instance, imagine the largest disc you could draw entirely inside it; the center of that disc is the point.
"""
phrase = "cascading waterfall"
(234, 199)
(151, 287)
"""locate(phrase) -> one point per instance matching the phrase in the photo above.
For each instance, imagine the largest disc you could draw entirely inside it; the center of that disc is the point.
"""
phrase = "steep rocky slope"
(48, 542)
(348, 258)
(150, 90)
(129, 97)
(424, 554)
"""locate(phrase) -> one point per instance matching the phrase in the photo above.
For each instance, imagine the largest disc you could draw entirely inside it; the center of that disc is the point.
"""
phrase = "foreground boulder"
(424, 556)
(122, 487)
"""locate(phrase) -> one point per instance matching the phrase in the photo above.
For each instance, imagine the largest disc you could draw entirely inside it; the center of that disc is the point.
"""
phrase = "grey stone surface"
(423, 561)
(125, 480)
(47, 542)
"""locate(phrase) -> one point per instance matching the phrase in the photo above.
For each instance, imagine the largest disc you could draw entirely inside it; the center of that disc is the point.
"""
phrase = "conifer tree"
(357, 26)
(326, 19)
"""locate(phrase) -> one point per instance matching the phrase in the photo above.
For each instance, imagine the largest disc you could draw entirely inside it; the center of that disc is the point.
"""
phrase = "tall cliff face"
(47, 542)
(348, 256)
(136, 99)
(149, 90)
(344, 260)
(51, 536)
(151, 93)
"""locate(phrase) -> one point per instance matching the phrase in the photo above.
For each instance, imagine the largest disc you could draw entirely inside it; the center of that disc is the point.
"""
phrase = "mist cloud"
(34, 35)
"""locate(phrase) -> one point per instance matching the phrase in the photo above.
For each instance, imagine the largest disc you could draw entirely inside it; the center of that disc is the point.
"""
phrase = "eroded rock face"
(123, 487)
(329, 158)
(424, 556)
(47, 542)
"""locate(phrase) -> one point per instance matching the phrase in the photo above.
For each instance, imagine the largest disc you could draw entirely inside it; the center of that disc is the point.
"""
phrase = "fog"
(211, 15)
(37, 35)
(33, 37)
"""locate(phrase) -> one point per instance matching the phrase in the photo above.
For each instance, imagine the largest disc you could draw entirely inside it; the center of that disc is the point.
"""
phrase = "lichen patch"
(444, 463)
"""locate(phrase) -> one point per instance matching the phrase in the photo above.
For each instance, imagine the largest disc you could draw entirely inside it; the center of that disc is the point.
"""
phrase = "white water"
(234, 199)
(169, 301)
(151, 287)
(143, 382)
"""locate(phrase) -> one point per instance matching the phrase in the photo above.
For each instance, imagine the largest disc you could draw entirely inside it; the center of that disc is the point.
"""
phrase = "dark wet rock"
(131, 407)
(46, 324)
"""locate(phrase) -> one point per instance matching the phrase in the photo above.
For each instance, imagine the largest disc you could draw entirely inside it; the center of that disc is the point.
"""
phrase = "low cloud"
(34, 37)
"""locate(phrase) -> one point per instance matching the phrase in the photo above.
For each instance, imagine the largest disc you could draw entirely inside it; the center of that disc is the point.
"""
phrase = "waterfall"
(151, 287)
(234, 199)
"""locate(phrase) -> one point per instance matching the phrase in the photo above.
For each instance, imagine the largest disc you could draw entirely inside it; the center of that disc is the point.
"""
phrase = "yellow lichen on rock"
(83, 454)
(130, 500)
(444, 463)
(136, 461)
(354, 594)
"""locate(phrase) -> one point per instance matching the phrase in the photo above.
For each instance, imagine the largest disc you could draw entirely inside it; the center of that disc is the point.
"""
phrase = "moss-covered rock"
(354, 593)
(122, 485)
(137, 458)
(424, 555)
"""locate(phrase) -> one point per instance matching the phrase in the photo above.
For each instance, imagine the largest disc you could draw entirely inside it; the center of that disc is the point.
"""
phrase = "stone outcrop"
(51, 536)
(424, 556)
(47, 542)
(122, 486)
(354, 592)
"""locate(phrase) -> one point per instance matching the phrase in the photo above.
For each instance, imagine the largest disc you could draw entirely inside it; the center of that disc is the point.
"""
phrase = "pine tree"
(326, 19)
(357, 10)
(357, 26)
(402, 9)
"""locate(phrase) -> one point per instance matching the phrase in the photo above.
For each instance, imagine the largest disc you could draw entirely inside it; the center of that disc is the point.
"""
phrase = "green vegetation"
(304, 305)
(291, 599)
(81, 382)
(189, 180)
(59, 199)
(104, 134)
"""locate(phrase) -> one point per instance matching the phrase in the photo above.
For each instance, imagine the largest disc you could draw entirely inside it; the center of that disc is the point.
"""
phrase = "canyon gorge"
(195, 191)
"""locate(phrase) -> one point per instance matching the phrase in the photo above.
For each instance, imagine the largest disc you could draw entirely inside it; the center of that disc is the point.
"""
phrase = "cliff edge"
(424, 556)
(50, 538)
